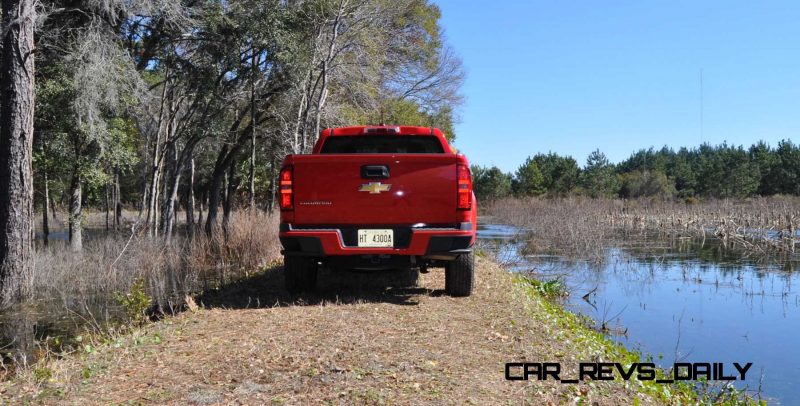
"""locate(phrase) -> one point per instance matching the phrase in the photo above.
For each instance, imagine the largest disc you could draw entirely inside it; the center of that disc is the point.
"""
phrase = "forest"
(157, 107)
(708, 171)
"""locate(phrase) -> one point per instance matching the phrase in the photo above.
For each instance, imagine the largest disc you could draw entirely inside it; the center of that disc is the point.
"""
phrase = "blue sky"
(573, 76)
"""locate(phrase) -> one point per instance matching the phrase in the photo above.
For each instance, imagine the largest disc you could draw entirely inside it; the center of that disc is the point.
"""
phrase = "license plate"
(375, 238)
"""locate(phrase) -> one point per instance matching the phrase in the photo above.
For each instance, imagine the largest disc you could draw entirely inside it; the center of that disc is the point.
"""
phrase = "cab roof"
(372, 130)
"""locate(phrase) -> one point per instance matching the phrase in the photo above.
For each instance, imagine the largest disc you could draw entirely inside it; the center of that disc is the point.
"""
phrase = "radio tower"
(701, 107)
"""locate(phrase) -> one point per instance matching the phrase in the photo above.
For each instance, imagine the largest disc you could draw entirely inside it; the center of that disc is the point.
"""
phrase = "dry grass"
(583, 227)
(113, 263)
(80, 293)
(368, 345)
(118, 280)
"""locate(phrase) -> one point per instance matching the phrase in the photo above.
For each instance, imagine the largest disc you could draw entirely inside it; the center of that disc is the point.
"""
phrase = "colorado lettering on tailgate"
(378, 198)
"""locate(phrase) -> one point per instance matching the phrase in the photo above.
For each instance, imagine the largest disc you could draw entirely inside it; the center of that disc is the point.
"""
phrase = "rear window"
(366, 144)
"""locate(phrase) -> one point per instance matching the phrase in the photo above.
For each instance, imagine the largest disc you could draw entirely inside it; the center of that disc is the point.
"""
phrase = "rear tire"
(459, 275)
(300, 274)
(410, 277)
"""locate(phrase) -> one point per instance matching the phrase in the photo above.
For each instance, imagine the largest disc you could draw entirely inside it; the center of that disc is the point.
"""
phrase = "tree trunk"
(156, 166)
(300, 110)
(225, 188)
(227, 204)
(200, 209)
(190, 201)
(215, 188)
(170, 192)
(225, 159)
(272, 187)
(323, 93)
(75, 208)
(252, 174)
(323, 97)
(172, 184)
(154, 199)
(310, 90)
(53, 208)
(145, 189)
(152, 191)
(214, 191)
(46, 211)
(117, 203)
(16, 151)
(143, 201)
(20, 326)
(108, 208)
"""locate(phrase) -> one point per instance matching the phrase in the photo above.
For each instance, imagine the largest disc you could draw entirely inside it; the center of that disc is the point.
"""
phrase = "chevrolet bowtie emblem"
(375, 187)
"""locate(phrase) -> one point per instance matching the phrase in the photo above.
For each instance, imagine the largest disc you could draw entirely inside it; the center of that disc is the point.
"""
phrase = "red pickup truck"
(378, 198)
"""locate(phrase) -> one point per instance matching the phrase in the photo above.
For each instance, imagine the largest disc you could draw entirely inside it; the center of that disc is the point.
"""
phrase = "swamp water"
(681, 301)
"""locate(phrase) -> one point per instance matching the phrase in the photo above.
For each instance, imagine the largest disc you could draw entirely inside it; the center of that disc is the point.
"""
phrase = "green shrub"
(42, 374)
(554, 288)
(136, 302)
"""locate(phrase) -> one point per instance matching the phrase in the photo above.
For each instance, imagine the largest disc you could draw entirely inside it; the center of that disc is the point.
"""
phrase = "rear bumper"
(425, 242)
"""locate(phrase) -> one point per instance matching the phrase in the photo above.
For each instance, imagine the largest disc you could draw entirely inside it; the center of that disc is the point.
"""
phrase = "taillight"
(464, 188)
(287, 190)
(382, 130)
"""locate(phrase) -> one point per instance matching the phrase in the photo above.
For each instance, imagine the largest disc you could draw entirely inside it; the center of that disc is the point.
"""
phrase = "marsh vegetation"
(681, 281)
(585, 228)
(122, 278)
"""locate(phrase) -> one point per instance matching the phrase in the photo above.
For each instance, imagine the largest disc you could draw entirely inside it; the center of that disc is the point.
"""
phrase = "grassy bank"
(356, 342)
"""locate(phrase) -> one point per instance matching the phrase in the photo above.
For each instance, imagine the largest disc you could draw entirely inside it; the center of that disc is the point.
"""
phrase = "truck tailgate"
(420, 188)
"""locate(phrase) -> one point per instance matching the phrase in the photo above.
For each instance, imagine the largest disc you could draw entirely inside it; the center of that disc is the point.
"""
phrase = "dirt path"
(380, 346)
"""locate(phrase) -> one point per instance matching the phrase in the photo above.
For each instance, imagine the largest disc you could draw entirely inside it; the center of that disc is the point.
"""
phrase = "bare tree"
(431, 86)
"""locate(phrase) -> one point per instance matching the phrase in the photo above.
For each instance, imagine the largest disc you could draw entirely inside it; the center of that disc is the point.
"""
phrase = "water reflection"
(677, 299)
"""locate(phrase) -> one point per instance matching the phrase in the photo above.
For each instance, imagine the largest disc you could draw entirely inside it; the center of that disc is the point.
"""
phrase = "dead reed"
(170, 270)
(121, 278)
(583, 227)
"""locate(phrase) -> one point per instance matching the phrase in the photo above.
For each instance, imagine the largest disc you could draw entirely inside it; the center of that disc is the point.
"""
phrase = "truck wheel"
(300, 274)
(410, 277)
(459, 275)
